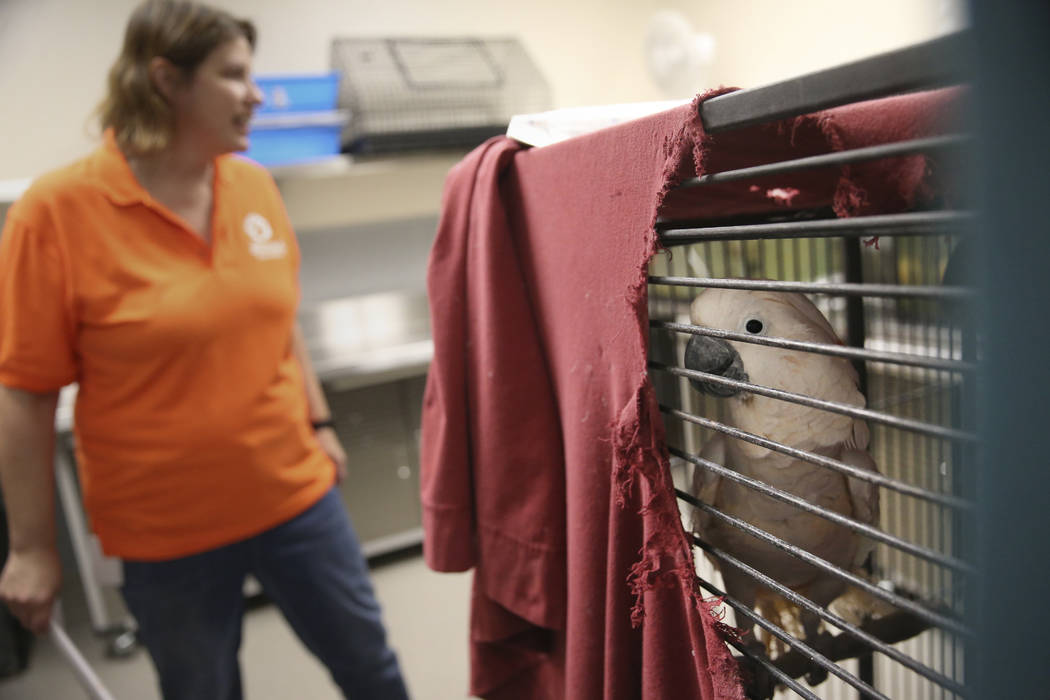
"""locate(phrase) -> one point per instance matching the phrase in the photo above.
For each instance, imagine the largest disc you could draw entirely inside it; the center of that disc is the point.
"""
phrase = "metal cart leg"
(79, 665)
(121, 635)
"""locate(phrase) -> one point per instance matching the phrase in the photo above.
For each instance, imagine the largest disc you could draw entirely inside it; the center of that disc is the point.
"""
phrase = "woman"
(160, 273)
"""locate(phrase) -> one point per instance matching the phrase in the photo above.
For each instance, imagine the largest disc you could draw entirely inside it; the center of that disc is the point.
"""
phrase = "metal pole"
(69, 496)
(79, 665)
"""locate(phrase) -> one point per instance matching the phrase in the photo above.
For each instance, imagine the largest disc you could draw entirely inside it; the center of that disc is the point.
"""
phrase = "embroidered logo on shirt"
(262, 245)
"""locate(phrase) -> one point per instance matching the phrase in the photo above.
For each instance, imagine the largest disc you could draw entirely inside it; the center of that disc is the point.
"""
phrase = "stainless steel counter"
(369, 339)
(371, 353)
(364, 310)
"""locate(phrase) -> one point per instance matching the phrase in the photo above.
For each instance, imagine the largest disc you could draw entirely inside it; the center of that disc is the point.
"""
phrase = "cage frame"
(936, 63)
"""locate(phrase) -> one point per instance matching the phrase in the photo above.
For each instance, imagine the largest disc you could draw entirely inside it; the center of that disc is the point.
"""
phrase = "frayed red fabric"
(544, 462)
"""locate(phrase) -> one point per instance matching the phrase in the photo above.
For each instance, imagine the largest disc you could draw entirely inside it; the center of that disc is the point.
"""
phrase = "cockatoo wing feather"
(706, 482)
(864, 497)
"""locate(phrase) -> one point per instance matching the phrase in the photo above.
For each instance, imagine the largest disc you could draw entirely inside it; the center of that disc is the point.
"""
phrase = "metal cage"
(412, 93)
(903, 310)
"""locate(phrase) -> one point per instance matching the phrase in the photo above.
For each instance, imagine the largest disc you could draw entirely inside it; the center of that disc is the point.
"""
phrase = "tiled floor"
(426, 615)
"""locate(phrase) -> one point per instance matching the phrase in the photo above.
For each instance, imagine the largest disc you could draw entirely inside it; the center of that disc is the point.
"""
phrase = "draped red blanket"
(544, 465)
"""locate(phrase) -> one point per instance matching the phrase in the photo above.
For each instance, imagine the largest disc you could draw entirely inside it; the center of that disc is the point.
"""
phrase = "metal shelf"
(346, 191)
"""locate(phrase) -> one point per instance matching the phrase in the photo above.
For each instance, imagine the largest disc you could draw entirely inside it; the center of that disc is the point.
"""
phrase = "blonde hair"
(184, 33)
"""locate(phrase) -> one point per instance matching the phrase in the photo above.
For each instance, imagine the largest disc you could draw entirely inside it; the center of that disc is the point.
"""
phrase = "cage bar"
(855, 525)
(823, 349)
(942, 621)
(922, 66)
(844, 289)
(928, 429)
(848, 469)
(926, 223)
(855, 155)
(828, 616)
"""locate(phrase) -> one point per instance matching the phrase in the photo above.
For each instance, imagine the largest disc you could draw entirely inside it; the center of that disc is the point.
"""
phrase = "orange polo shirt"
(191, 421)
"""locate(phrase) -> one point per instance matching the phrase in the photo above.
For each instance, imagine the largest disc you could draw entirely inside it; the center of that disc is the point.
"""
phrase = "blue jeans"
(189, 610)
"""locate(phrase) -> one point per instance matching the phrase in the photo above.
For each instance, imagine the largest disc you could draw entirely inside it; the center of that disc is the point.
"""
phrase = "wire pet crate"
(894, 288)
(427, 92)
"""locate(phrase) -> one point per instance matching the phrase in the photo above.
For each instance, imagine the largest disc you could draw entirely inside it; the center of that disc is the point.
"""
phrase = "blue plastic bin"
(298, 93)
(293, 138)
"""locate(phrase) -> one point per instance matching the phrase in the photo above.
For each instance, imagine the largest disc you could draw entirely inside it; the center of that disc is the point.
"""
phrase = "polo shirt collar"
(120, 184)
(115, 176)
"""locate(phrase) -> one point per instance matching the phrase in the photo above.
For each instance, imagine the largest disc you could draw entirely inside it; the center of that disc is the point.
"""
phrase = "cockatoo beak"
(714, 356)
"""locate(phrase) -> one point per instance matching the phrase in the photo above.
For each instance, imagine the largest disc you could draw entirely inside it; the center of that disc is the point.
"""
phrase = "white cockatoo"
(840, 437)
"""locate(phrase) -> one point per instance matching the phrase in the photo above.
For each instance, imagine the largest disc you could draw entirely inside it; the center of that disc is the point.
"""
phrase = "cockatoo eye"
(754, 326)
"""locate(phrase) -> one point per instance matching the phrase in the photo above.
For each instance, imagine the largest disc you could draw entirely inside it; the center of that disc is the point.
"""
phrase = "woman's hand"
(29, 585)
(329, 440)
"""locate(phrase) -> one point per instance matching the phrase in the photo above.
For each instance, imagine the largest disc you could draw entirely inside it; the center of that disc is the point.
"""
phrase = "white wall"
(54, 54)
(762, 41)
